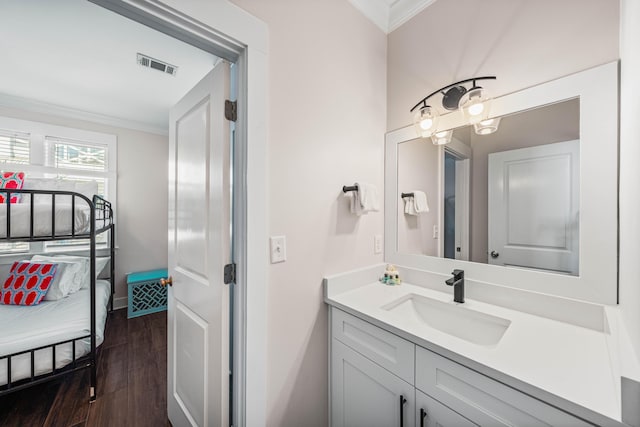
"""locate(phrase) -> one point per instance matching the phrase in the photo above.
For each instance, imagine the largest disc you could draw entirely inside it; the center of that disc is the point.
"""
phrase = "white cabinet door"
(364, 394)
(199, 223)
(431, 413)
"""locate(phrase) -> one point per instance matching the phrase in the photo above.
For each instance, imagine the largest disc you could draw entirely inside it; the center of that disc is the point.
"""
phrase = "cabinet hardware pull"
(402, 402)
(423, 415)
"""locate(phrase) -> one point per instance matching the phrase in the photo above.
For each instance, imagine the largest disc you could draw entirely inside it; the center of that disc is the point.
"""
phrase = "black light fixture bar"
(442, 89)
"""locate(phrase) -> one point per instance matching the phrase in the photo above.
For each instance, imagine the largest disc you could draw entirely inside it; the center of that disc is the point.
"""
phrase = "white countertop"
(559, 360)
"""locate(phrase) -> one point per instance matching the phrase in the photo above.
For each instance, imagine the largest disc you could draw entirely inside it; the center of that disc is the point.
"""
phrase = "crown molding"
(35, 106)
(403, 10)
(388, 15)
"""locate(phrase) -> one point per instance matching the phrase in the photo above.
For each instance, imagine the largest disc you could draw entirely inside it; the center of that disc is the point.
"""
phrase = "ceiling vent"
(149, 62)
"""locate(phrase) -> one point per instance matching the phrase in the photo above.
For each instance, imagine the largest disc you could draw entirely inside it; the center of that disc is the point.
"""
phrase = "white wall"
(141, 228)
(523, 43)
(629, 169)
(327, 104)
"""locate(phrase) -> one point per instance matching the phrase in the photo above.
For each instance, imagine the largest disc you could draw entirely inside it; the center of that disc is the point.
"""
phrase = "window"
(14, 147)
(46, 151)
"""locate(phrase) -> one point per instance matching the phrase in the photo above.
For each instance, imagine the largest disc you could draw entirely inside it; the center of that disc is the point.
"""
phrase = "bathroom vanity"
(408, 355)
(538, 340)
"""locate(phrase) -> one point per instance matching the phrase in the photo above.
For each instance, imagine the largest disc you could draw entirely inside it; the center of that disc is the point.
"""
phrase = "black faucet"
(457, 281)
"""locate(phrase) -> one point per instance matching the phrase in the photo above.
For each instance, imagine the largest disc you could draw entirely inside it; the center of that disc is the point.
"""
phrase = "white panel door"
(199, 224)
(534, 198)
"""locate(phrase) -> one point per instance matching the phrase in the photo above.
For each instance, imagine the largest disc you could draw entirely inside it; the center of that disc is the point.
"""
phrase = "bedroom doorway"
(228, 32)
(455, 191)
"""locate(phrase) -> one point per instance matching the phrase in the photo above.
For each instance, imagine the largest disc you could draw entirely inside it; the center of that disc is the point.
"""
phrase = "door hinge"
(229, 274)
(231, 110)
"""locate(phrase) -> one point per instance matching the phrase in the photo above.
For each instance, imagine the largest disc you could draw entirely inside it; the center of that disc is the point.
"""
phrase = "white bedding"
(24, 328)
(21, 212)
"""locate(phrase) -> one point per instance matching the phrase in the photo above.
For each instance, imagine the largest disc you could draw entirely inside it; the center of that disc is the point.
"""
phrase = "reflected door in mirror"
(533, 207)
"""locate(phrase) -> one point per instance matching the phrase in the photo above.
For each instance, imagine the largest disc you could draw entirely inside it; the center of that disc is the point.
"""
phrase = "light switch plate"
(278, 246)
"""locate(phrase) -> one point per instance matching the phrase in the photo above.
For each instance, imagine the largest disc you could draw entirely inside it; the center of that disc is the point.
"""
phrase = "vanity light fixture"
(486, 127)
(426, 121)
(474, 103)
(442, 138)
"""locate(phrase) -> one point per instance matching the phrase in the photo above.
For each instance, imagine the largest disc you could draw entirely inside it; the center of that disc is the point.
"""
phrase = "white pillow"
(64, 281)
(81, 280)
(101, 263)
(87, 188)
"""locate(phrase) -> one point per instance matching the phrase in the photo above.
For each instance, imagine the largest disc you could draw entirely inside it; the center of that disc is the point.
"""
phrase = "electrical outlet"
(436, 232)
(377, 244)
(278, 249)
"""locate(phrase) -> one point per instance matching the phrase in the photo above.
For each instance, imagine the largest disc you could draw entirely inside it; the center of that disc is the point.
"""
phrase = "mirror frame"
(597, 89)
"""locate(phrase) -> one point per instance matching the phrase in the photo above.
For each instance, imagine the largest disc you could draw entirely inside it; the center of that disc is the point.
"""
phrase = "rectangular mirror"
(532, 205)
(507, 198)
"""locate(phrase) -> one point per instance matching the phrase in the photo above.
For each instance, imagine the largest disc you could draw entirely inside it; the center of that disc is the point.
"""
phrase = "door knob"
(165, 282)
(494, 254)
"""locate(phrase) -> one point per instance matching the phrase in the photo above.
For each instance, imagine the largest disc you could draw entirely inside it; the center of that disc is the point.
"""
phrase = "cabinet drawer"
(481, 399)
(431, 413)
(393, 353)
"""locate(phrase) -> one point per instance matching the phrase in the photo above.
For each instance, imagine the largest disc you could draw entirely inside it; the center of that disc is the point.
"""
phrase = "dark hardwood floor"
(132, 383)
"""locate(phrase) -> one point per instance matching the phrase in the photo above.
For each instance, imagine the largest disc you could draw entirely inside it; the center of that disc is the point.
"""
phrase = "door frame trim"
(233, 34)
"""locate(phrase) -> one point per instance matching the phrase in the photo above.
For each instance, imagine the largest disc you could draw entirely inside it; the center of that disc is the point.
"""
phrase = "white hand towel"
(409, 206)
(368, 195)
(417, 204)
(365, 199)
(356, 208)
(420, 201)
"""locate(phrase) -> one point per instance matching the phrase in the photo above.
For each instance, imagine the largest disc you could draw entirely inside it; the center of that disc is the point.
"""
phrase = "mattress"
(21, 213)
(24, 328)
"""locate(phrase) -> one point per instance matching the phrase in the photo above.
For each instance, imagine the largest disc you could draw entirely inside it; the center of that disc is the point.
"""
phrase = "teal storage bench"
(146, 294)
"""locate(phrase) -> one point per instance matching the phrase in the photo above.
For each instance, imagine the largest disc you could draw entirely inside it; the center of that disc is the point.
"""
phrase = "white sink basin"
(453, 319)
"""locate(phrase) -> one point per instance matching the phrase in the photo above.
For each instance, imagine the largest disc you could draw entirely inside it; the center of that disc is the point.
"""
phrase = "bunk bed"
(39, 343)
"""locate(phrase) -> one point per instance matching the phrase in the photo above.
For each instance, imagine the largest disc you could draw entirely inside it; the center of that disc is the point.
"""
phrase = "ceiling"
(81, 57)
(75, 58)
(390, 14)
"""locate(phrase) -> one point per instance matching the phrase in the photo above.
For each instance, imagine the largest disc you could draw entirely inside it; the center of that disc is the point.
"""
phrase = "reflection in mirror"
(508, 198)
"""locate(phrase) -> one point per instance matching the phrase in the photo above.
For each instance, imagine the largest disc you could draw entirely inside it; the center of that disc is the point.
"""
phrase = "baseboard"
(120, 303)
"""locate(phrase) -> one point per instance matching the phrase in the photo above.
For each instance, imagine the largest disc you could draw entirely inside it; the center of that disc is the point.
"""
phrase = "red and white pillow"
(11, 181)
(28, 283)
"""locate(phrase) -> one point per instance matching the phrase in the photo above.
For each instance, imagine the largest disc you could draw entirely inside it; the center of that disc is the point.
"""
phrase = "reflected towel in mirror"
(417, 204)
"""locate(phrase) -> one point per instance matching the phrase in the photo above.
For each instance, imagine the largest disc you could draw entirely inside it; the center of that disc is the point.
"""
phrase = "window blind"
(14, 147)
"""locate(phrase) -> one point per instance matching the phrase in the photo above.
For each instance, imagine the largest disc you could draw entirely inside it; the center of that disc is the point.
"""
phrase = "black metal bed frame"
(101, 221)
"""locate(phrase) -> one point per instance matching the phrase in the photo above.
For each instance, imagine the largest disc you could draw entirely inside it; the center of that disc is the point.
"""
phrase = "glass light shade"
(425, 121)
(487, 127)
(442, 138)
(475, 105)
